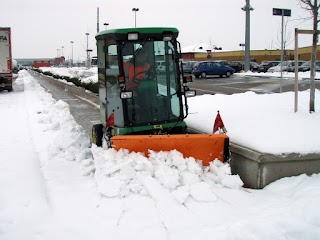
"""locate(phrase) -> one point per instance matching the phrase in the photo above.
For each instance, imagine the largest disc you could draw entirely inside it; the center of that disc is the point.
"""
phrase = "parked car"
(266, 65)
(254, 67)
(211, 68)
(291, 67)
(238, 66)
(161, 67)
(307, 65)
(188, 66)
(222, 62)
(281, 66)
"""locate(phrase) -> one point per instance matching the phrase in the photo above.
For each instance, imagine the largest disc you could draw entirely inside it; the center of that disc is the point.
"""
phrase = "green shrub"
(93, 87)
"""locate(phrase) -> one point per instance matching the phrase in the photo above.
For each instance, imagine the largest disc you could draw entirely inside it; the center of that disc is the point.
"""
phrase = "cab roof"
(148, 32)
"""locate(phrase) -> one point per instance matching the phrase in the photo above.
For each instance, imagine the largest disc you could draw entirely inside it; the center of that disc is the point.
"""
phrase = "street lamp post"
(62, 51)
(106, 24)
(247, 8)
(88, 58)
(135, 10)
(71, 53)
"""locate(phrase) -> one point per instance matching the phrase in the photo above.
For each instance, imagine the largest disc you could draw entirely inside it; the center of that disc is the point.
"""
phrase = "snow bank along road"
(264, 168)
(84, 111)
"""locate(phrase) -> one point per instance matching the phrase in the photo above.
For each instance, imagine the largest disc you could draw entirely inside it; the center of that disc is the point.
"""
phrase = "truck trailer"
(5, 59)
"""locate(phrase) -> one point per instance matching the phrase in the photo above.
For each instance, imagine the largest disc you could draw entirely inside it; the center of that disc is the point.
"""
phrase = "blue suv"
(212, 68)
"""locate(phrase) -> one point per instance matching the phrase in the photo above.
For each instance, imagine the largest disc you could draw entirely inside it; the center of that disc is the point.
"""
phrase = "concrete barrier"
(257, 169)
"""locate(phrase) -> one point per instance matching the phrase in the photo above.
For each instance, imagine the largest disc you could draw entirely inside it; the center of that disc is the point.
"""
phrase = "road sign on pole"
(283, 13)
(280, 11)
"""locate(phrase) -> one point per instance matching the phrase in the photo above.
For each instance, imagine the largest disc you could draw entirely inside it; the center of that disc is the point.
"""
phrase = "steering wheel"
(150, 73)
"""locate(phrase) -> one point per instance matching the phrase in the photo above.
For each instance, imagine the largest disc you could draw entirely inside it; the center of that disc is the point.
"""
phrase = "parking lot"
(239, 84)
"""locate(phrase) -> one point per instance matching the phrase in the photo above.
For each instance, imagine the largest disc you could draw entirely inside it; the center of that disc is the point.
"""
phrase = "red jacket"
(131, 71)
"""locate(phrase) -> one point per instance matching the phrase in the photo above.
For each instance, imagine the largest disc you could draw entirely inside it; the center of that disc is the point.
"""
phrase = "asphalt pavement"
(235, 84)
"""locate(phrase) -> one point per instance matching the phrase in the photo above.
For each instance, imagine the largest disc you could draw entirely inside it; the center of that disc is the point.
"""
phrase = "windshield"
(150, 73)
(306, 64)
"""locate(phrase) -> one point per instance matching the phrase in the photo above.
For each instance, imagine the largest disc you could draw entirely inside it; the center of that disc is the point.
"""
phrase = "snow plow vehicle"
(142, 108)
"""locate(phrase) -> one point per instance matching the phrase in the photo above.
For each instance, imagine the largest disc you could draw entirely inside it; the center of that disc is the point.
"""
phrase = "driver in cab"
(136, 69)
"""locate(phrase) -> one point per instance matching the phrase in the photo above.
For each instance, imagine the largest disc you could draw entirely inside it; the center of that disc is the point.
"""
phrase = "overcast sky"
(40, 27)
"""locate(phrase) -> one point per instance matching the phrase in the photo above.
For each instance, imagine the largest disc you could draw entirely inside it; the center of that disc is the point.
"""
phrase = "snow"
(267, 113)
(85, 75)
(56, 185)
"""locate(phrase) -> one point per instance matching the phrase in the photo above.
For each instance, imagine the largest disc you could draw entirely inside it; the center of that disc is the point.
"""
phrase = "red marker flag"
(218, 124)
(110, 120)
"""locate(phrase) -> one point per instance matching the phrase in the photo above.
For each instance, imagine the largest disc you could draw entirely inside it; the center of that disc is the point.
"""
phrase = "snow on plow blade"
(205, 147)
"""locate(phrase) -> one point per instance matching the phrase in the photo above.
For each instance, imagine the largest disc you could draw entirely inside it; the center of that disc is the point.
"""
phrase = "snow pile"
(53, 119)
(118, 174)
(262, 122)
(83, 74)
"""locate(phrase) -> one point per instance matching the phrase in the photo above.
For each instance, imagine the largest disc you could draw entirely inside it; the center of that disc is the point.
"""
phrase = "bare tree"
(313, 7)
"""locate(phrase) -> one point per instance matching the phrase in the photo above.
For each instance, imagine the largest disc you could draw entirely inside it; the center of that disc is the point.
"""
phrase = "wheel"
(228, 74)
(97, 134)
(197, 76)
(203, 74)
(10, 89)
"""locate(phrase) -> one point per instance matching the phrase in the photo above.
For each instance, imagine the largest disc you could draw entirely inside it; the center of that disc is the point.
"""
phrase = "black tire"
(203, 75)
(197, 76)
(10, 89)
(97, 134)
(228, 74)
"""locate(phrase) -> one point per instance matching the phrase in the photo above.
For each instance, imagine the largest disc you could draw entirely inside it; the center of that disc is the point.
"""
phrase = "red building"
(59, 61)
(41, 63)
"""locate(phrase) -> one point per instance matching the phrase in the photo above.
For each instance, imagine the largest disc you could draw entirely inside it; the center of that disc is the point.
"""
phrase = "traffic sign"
(280, 11)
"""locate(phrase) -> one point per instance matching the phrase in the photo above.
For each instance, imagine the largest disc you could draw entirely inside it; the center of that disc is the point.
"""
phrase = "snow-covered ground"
(55, 185)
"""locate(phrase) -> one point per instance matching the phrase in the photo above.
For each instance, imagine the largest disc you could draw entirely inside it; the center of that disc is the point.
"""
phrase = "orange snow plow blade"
(205, 147)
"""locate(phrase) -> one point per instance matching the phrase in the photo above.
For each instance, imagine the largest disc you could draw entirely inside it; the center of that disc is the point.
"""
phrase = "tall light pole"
(62, 51)
(247, 8)
(135, 10)
(88, 54)
(71, 53)
(106, 24)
